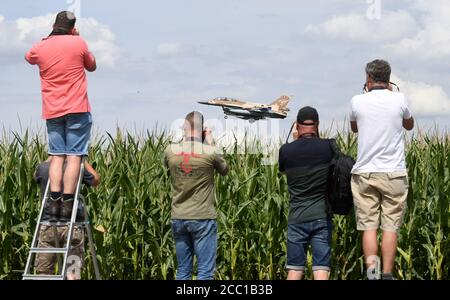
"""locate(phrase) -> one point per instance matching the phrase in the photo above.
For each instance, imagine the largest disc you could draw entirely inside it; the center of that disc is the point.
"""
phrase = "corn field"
(130, 212)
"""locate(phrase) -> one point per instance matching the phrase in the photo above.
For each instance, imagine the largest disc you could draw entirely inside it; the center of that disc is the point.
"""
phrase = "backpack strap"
(334, 147)
(289, 134)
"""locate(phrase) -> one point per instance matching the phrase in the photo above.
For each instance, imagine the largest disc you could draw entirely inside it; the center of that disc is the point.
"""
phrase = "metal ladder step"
(42, 277)
(49, 250)
(61, 224)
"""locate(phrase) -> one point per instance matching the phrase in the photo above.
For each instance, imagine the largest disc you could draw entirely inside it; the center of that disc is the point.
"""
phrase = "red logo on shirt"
(185, 163)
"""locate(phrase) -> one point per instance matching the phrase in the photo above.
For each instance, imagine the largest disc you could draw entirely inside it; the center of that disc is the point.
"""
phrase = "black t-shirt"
(41, 178)
(306, 164)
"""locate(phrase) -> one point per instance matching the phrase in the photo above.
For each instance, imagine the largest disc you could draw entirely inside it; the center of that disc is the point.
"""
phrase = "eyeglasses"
(366, 90)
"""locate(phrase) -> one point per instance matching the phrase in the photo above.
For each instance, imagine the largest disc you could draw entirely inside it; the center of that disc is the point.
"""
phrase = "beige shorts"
(378, 195)
(49, 236)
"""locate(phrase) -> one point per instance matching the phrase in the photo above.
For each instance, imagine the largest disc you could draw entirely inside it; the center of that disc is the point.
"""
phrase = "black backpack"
(340, 198)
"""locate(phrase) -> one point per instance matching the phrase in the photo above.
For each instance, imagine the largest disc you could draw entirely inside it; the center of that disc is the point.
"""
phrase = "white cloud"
(432, 40)
(425, 99)
(422, 31)
(17, 36)
(101, 41)
(358, 27)
(171, 49)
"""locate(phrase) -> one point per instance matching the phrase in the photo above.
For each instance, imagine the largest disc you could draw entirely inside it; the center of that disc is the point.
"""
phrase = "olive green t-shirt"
(191, 165)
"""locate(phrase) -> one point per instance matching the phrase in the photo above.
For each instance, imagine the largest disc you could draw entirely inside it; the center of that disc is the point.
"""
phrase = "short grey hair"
(379, 70)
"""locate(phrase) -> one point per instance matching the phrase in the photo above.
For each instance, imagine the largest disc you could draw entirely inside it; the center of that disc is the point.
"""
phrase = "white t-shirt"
(379, 115)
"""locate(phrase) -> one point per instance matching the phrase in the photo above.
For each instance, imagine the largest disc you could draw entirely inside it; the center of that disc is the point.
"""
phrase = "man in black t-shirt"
(306, 165)
(56, 236)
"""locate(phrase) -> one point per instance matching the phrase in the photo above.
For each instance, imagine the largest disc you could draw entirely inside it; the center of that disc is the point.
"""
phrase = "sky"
(156, 59)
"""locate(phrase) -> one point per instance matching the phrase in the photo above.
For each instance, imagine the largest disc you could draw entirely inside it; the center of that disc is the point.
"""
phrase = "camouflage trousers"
(49, 236)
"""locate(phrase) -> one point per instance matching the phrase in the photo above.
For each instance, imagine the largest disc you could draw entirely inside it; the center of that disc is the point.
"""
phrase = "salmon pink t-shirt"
(62, 60)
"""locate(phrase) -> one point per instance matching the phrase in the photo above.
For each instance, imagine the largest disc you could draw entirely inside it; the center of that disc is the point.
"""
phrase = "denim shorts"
(69, 134)
(317, 234)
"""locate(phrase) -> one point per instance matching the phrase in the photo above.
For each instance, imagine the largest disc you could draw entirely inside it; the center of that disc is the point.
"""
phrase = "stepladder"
(58, 242)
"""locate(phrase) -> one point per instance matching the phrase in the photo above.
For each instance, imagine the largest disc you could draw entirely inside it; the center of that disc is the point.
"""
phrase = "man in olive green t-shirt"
(192, 164)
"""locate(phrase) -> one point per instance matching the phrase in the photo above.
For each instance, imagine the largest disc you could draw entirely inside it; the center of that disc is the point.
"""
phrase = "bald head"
(193, 125)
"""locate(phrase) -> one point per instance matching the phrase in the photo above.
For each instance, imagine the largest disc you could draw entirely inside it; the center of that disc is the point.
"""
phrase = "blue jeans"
(69, 134)
(317, 234)
(197, 237)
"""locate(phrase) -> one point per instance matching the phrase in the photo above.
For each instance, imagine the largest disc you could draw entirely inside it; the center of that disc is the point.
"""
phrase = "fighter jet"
(251, 111)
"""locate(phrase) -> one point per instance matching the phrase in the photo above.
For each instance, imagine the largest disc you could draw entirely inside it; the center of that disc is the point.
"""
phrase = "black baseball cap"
(307, 113)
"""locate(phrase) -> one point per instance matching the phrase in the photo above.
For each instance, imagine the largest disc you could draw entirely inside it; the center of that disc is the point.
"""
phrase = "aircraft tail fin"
(281, 103)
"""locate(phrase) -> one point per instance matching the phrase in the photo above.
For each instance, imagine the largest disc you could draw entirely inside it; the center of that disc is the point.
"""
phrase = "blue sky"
(157, 58)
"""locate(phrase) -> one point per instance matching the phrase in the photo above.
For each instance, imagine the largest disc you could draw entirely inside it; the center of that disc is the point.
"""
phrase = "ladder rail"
(37, 229)
(73, 219)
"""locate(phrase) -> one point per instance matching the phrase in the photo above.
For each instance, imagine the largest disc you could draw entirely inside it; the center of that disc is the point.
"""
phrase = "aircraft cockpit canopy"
(226, 99)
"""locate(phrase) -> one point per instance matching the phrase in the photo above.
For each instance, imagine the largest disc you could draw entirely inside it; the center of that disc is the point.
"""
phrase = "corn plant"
(130, 211)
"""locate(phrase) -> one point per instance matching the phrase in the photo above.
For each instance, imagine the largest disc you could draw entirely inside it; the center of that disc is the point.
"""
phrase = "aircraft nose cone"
(203, 102)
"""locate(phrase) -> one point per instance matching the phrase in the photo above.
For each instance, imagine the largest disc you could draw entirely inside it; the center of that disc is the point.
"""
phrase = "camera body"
(391, 86)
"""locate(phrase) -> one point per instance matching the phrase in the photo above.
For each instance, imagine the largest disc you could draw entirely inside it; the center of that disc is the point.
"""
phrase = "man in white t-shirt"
(379, 180)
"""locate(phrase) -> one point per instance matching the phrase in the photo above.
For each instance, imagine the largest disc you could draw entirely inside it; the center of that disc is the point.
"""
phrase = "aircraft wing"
(230, 105)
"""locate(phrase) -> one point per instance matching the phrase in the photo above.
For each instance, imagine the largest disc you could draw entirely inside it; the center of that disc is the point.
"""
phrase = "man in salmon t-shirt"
(62, 58)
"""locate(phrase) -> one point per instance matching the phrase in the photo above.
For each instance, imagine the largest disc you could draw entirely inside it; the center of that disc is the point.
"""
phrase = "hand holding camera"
(295, 132)
(207, 136)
